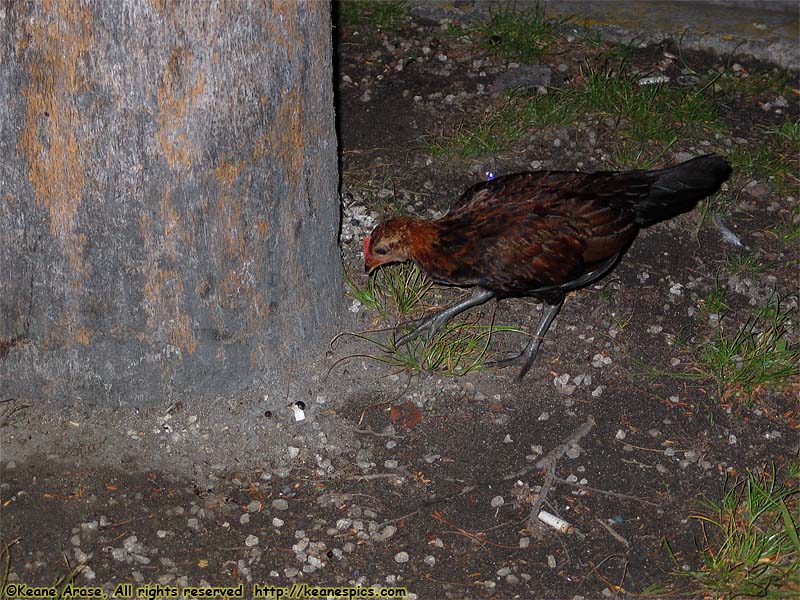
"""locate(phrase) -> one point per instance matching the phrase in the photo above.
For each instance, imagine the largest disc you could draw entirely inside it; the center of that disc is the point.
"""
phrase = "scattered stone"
(386, 533)
(525, 77)
(401, 557)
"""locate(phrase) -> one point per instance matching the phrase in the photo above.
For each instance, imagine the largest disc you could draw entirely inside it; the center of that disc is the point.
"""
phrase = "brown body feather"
(539, 234)
(521, 233)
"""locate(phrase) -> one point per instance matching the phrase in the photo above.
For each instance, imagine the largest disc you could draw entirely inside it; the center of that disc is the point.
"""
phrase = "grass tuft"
(750, 543)
(392, 293)
(381, 15)
(397, 291)
(758, 355)
(522, 35)
(649, 119)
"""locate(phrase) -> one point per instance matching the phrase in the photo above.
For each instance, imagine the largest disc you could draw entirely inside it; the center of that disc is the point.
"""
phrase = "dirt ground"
(434, 495)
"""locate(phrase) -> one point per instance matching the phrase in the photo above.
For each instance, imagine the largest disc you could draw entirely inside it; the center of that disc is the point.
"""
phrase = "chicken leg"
(554, 300)
(527, 356)
(435, 322)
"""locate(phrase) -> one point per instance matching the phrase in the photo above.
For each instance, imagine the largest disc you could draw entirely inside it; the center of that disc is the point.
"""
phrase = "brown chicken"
(539, 234)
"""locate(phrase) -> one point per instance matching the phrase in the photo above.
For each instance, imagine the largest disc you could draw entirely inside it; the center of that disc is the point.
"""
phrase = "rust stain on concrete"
(173, 226)
(57, 41)
(229, 207)
(164, 299)
(172, 96)
(67, 332)
(164, 305)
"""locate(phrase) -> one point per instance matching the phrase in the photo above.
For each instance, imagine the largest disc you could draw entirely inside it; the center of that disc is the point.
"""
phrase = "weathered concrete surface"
(765, 30)
(169, 210)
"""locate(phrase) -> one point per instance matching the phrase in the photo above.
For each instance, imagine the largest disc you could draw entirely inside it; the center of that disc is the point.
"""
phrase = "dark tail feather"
(678, 189)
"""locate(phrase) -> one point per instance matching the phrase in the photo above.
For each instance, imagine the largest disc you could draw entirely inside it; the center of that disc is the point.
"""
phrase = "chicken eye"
(380, 251)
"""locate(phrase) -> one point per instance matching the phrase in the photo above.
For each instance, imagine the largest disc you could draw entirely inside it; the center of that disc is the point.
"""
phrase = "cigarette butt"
(553, 521)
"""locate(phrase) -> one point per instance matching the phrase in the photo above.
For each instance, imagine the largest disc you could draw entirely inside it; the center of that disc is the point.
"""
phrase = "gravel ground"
(359, 475)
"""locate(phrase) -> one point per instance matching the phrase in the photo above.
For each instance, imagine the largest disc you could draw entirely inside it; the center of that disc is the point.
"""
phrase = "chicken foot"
(435, 322)
(527, 356)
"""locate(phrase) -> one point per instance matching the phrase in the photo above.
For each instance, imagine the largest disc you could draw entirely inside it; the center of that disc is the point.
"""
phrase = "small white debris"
(582, 379)
(676, 289)
(544, 416)
(654, 80)
(674, 399)
(773, 435)
(732, 440)
(599, 360)
(621, 434)
(251, 541)
(119, 554)
(386, 533)
(561, 384)
(727, 235)
(497, 502)
(161, 533)
(598, 391)
(524, 542)
(299, 413)
(244, 519)
(276, 522)
(571, 479)
(551, 561)
(655, 329)
(573, 452)
(429, 560)
(401, 557)
(507, 439)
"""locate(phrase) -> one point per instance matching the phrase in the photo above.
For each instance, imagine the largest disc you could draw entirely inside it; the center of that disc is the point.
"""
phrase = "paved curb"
(766, 31)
